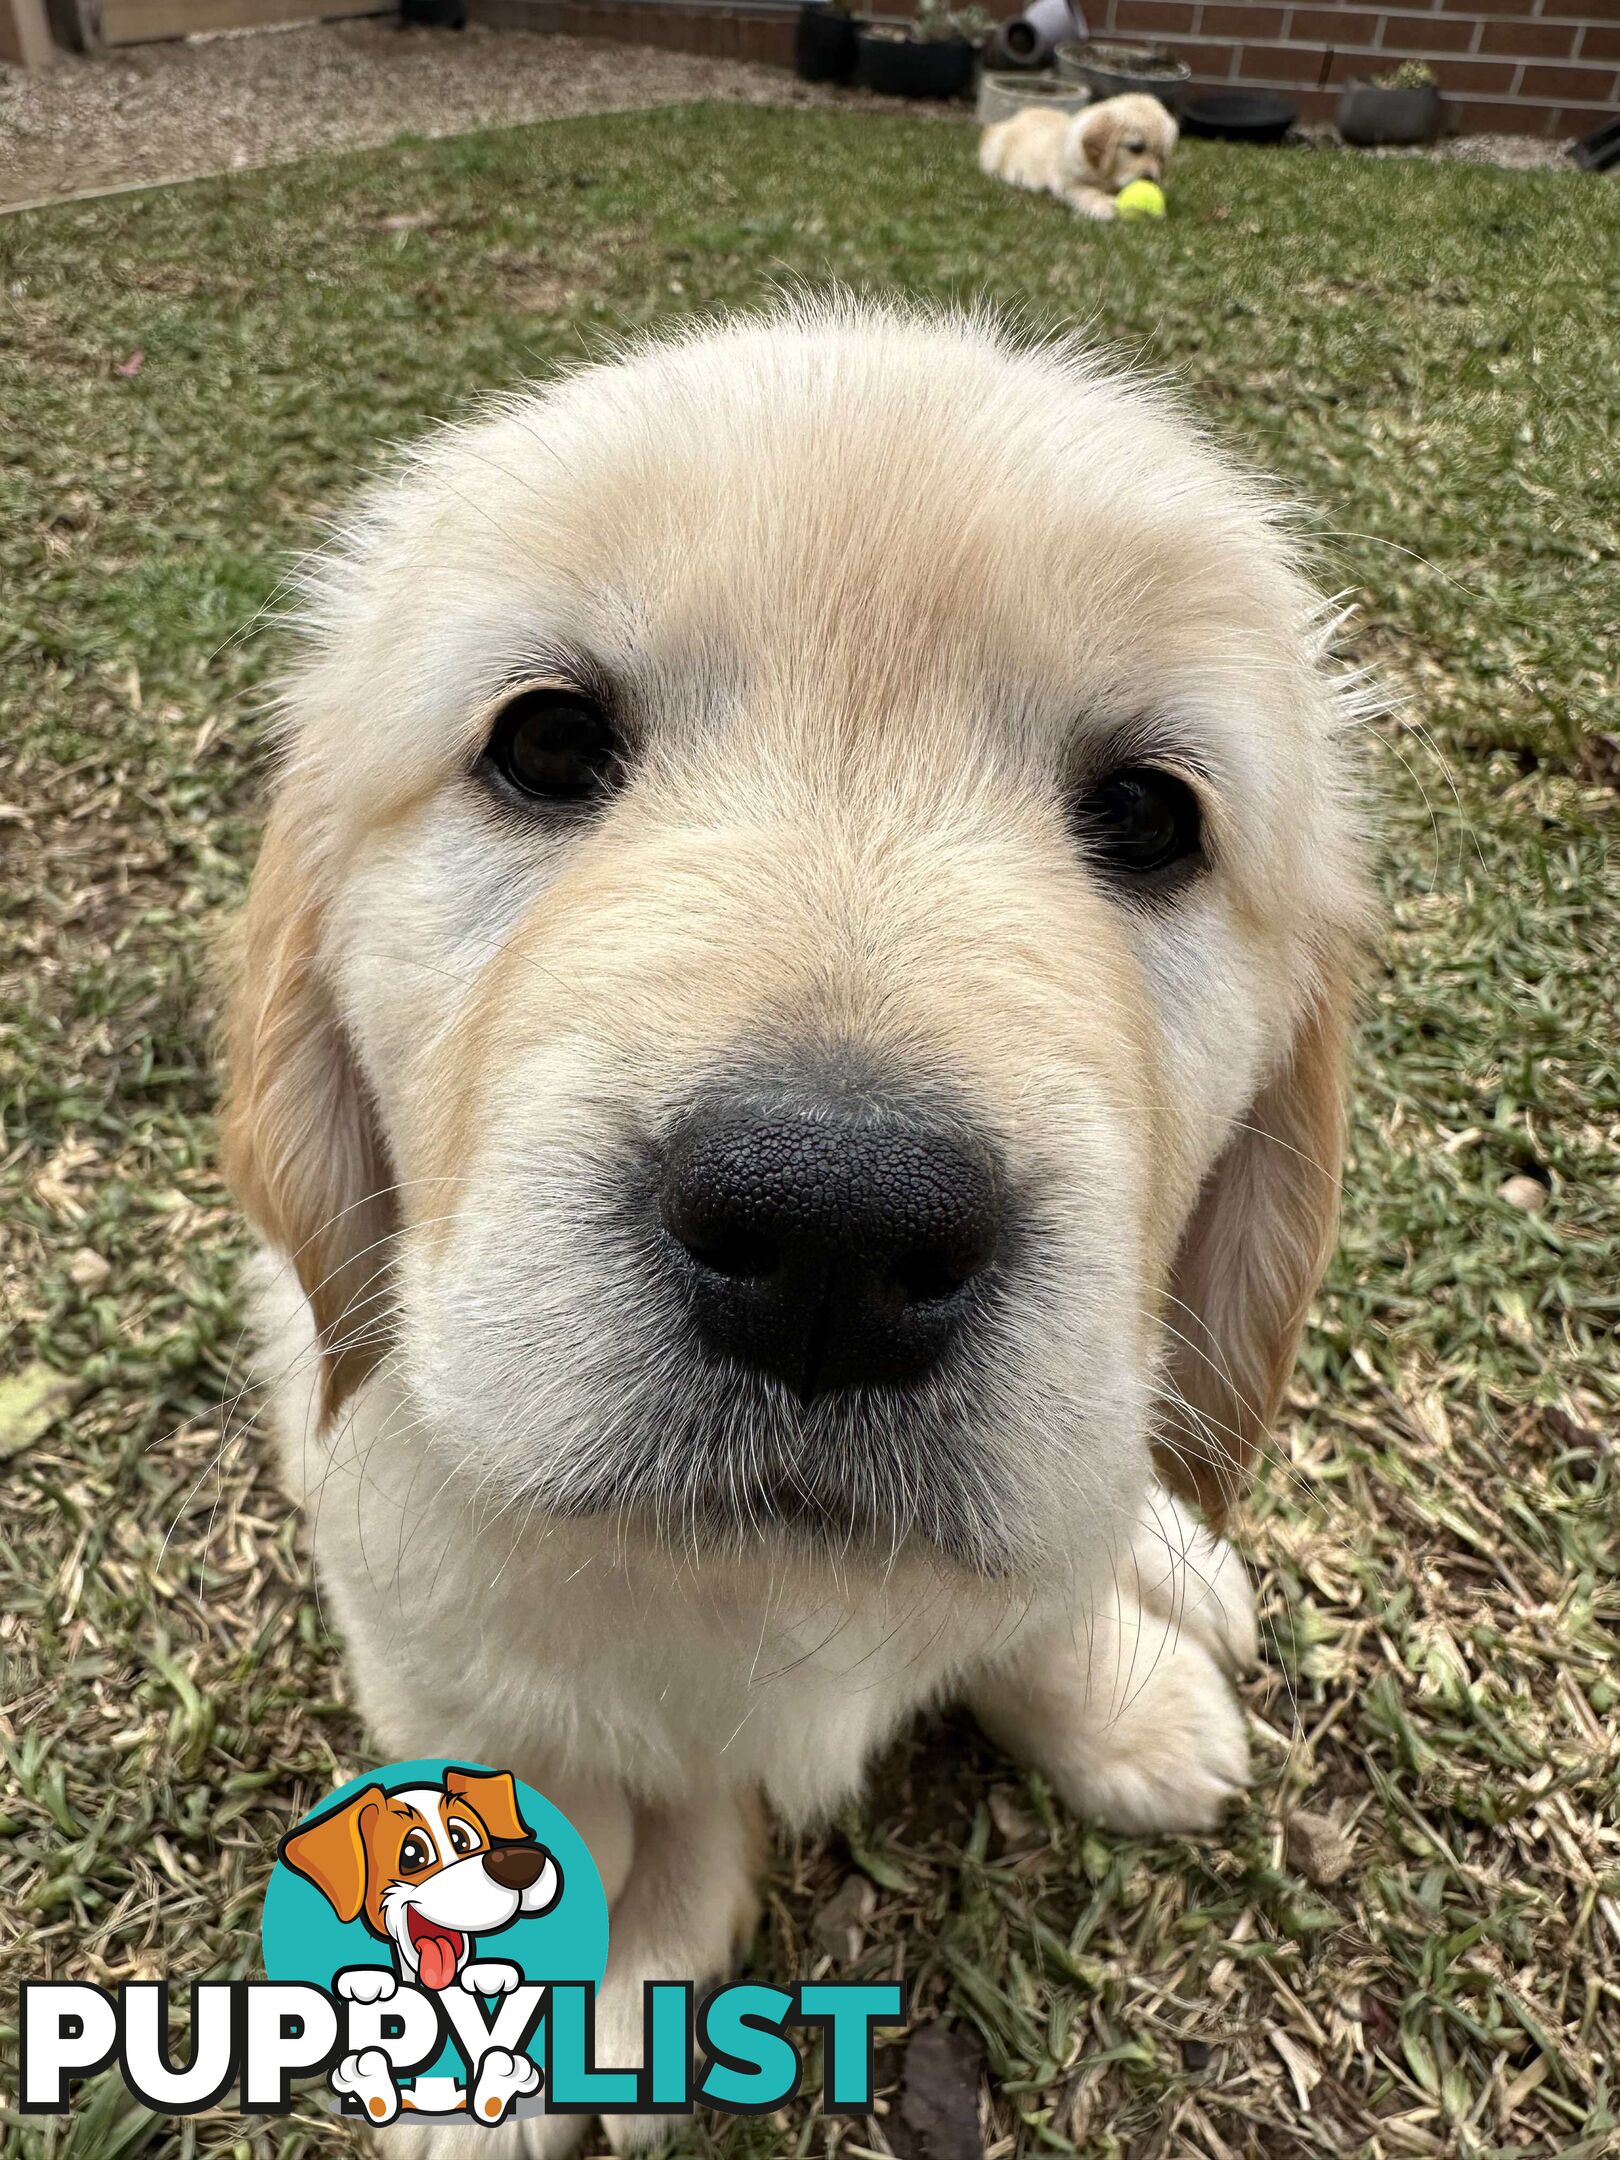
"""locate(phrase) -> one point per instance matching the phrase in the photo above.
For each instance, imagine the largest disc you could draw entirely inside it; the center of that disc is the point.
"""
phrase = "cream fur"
(876, 585)
(1083, 158)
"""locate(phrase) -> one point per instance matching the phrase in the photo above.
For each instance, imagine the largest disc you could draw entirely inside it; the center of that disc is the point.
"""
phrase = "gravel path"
(169, 112)
(1518, 153)
(152, 113)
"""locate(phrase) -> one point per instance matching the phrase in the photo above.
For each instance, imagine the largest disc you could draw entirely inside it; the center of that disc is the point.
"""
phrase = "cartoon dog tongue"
(436, 1952)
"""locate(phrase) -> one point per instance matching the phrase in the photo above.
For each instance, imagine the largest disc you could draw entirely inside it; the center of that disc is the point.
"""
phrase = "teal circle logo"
(437, 1886)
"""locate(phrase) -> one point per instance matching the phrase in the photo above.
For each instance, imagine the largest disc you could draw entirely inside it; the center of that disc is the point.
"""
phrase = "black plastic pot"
(1598, 151)
(824, 44)
(1252, 116)
(915, 67)
(1375, 119)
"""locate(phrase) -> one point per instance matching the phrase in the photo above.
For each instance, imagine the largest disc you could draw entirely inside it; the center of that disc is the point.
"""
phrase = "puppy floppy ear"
(1252, 1258)
(301, 1147)
(1098, 136)
(330, 1852)
(493, 1799)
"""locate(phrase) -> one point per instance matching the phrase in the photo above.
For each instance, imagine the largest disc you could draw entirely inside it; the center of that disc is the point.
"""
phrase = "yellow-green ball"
(1142, 198)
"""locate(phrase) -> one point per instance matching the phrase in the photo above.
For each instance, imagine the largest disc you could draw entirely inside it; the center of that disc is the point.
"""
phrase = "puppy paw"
(490, 1977)
(502, 2079)
(367, 2078)
(1173, 1757)
(491, 2137)
(1126, 1705)
(367, 1984)
(1100, 209)
(1195, 1582)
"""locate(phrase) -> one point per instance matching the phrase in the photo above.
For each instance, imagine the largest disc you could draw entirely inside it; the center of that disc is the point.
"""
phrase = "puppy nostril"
(740, 1259)
(739, 1254)
(929, 1278)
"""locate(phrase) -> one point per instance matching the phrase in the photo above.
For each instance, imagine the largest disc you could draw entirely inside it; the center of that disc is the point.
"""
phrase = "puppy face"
(428, 1868)
(798, 970)
(1124, 139)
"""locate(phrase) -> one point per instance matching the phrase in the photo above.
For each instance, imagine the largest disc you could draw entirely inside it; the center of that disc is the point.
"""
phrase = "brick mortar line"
(1580, 24)
(1597, 71)
(1594, 68)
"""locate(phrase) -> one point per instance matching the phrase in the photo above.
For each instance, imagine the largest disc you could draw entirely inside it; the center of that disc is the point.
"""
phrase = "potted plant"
(931, 56)
(1126, 70)
(1402, 106)
(824, 42)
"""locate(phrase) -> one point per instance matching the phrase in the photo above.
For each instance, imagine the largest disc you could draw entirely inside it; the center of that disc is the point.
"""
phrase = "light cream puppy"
(1083, 158)
(787, 1057)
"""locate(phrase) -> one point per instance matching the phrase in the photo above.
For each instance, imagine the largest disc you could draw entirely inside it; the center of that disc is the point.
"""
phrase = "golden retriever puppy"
(1083, 158)
(787, 1059)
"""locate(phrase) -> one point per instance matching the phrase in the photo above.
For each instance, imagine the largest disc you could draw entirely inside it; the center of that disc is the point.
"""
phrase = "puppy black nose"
(829, 1249)
(514, 1867)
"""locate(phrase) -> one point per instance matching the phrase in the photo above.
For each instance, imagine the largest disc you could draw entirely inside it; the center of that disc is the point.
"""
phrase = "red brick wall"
(1522, 67)
(732, 33)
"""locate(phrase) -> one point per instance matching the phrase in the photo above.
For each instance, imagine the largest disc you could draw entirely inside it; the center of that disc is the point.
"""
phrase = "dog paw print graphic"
(436, 1903)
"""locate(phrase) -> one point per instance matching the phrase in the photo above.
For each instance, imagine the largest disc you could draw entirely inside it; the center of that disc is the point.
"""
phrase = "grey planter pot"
(1377, 119)
(1125, 70)
(1000, 96)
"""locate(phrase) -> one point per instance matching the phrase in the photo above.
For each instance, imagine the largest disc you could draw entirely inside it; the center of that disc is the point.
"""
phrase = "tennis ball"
(1142, 198)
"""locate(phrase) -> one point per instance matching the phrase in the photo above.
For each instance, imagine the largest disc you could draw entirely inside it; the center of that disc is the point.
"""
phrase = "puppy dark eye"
(1139, 825)
(1136, 144)
(415, 1854)
(461, 1838)
(552, 746)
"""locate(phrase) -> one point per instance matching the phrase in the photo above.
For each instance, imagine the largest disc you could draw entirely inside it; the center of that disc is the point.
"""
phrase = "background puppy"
(787, 1055)
(1084, 158)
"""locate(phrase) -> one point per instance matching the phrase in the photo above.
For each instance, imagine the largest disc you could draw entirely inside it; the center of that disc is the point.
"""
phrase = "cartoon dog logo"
(430, 1869)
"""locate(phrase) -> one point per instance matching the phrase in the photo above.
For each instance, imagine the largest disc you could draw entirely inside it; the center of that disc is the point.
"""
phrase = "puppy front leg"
(688, 1903)
(1126, 1706)
(679, 1913)
(1088, 202)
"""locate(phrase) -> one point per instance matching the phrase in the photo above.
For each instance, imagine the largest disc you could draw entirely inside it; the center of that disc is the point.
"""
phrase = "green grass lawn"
(1430, 355)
